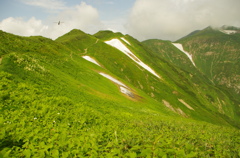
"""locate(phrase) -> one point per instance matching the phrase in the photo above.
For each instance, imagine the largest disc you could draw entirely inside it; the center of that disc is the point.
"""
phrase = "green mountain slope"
(216, 54)
(176, 81)
(80, 96)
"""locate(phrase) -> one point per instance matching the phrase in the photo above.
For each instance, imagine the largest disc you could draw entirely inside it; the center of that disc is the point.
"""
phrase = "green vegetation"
(54, 103)
(216, 54)
(38, 125)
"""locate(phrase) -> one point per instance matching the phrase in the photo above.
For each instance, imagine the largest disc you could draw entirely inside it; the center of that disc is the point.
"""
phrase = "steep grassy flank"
(41, 126)
(205, 67)
(175, 84)
(216, 54)
(11, 43)
(54, 103)
(77, 40)
(165, 50)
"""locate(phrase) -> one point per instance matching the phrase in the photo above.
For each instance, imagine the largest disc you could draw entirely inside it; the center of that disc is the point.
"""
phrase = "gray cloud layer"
(172, 19)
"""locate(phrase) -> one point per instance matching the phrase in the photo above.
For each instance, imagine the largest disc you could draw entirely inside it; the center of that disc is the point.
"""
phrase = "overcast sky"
(143, 19)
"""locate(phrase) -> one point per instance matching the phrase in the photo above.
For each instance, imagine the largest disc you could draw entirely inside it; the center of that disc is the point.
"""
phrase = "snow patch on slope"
(88, 58)
(180, 47)
(125, 40)
(120, 46)
(112, 79)
(229, 32)
(123, 87)
(126, 91)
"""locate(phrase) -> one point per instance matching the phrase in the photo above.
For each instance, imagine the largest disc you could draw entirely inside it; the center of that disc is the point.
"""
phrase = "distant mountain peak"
(107, 34)
(73, 31)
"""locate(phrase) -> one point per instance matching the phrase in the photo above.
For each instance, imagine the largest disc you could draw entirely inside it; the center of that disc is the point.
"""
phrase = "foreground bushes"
(34, 124)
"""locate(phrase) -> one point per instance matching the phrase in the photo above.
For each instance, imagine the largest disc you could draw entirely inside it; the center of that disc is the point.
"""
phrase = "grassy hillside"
(217, 56)
(54, 103)
(166, 51)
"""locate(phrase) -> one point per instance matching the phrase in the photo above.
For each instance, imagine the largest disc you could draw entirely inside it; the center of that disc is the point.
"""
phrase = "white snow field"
(126, 91)
(180, 47)
(123, 87)
(120, 46)
(125, 40)
(112, 79)
(88, 58)
(229, 32)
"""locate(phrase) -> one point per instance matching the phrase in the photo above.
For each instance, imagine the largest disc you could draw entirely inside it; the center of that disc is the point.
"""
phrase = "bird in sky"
(59, 22)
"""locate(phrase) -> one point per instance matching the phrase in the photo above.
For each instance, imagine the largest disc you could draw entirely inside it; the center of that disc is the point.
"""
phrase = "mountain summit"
(109, 95)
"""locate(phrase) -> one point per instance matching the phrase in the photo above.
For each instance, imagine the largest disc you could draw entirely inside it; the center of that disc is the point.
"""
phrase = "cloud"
(46, 4)
(83, 17)
(115, 25)
(24, 28)
(173, 19)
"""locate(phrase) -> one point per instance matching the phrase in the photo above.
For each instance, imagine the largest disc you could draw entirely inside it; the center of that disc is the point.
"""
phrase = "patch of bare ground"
(186, 104)
(209, 53)
(177, 110)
